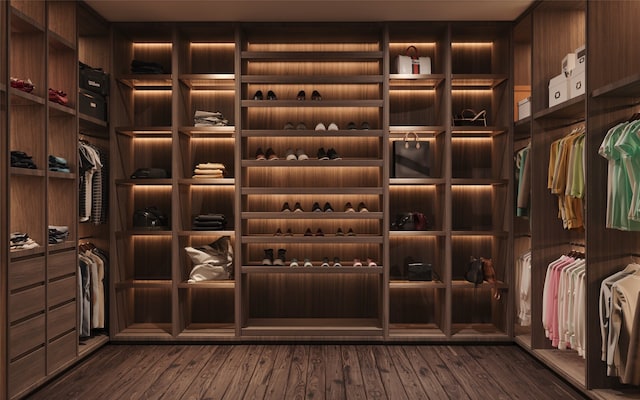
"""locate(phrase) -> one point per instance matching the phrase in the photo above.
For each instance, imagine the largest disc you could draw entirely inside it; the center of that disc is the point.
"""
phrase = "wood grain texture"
(312, 371)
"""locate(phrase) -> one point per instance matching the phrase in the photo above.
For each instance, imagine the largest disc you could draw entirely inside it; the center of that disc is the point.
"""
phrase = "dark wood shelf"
(22, 23)
(225, 232)
(405, 284)
(329, 237)
(399, 131)
(415, 81)
(144, 284)
(209, 81)
(310, 190)
(345, 162)
(477, 131)
(312, 103)
(213, 284)
(476, 81)
(318, 56)
(312, 133)
(140, 182)
(20, 98)
(312, 215)
(572, 110)
(207, 182)
(628, 87)
(308, 79)
(398, 233)
(58, 110)
(415, 181)
(59, 43)
(147, 81)
(145, 131)
(209, 131)
(316, 269)
(14, 171)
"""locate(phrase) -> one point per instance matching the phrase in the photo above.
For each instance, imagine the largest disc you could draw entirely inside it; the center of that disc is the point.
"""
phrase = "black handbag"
(410, 157)
(418, 271)
(474, 272)
(150, 218)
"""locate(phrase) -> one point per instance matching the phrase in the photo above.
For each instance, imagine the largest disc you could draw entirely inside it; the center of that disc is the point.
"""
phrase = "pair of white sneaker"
(332, 127)
(299, 154)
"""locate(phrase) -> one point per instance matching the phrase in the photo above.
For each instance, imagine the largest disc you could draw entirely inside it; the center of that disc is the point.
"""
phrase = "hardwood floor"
(302, 371)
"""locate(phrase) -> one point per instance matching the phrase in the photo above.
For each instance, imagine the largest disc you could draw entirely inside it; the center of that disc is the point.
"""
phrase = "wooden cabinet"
(341, 93)
(342, 84)
(40, 46)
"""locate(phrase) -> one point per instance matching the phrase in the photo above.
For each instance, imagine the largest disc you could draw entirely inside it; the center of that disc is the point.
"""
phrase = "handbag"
(413, 64)
(410, 221)
(468, 117)
(150, 218)
(480, 270)
(410, 157)
(474, 272)
(418, 271)
(213, 261)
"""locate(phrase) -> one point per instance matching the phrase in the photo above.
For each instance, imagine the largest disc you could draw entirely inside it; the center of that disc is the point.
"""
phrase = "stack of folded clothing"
(20, 159)
(58, 234)
(209, 170)
(208, 118)
(209, 222)
(58, 164)
(21, 241)
(145, 67)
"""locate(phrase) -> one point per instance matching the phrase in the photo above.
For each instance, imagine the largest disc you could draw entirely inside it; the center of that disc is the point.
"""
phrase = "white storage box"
(568, 63)
(524, 108)
(558, 90)
(578, 82)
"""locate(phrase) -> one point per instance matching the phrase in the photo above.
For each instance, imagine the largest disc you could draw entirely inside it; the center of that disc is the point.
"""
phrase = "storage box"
(558, 89)
(524, 108)
(578, 83)
(92, 104)
(519, 92)
(568, 63)
(94, 80)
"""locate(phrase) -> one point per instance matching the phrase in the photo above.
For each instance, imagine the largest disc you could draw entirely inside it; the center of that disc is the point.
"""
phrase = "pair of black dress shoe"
(314, 96)
(270, 95)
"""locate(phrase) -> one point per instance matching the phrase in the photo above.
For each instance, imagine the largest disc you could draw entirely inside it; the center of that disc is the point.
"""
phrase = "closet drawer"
(27, 272)
(62, 351)
(25, 303)
(25, 372)
(61, 264)
(26, 336)
(61, 320)
(61, 291)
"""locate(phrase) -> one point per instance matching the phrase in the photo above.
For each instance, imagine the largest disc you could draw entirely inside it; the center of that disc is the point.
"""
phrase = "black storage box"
(92, 104)
(94, 80)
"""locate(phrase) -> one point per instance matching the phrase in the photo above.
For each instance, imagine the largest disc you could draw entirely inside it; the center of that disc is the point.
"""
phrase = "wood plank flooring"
(308, 371)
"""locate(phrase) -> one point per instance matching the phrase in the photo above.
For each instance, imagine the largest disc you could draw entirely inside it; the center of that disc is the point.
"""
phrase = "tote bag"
(410, 157)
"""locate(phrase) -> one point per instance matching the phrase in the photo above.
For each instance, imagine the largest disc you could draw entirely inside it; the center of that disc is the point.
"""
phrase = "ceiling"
(308, 10)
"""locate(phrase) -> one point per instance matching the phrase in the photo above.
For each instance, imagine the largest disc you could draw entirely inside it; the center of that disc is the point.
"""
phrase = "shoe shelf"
(312, 215)
(302, 239)
(20, 98)
(312, 133)
(316, 269)
(344, 162)
(312, 104)
(60, 110)
(312, 79)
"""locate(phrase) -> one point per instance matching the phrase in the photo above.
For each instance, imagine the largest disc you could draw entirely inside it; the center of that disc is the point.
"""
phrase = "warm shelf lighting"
(154, 45)
(471, 44)
(209, 45)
